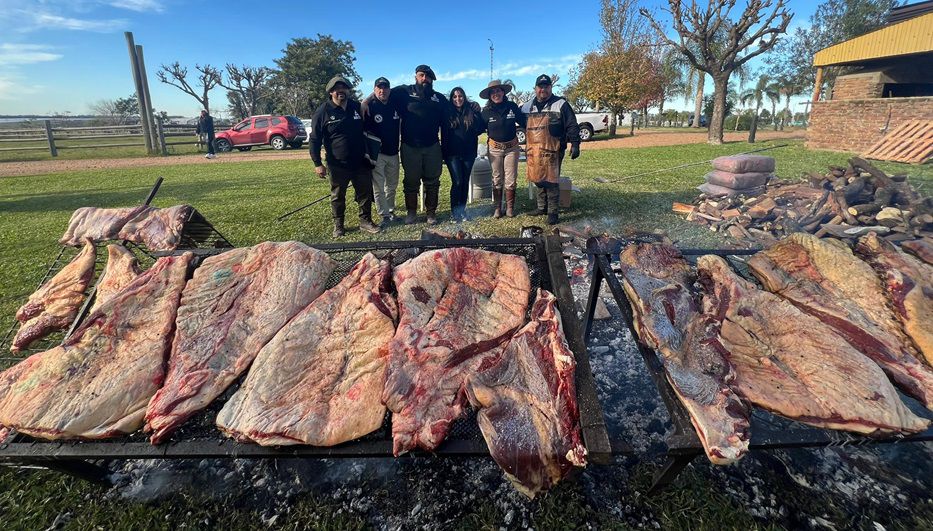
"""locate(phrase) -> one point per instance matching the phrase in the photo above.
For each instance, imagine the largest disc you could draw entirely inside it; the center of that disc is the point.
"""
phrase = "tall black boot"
(430, 205)
(411, 204)
(338, 228)
(497, 201)
(553, 204)
(541, 197)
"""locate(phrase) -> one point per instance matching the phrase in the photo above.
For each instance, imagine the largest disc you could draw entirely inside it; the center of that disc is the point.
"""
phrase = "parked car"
(590, 124)
(703, 121)
(276, 130)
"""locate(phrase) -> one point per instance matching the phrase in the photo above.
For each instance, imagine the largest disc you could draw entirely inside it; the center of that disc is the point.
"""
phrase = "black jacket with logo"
(205, 125)
(502, 120)
(340, 132)
(422, 114)
(562, 121)
(458, 140)
(383, 121)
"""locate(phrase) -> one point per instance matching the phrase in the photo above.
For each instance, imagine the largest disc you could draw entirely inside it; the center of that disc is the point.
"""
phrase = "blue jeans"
(460, 169)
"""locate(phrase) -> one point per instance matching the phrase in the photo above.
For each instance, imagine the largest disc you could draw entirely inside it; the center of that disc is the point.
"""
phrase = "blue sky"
(62, 55)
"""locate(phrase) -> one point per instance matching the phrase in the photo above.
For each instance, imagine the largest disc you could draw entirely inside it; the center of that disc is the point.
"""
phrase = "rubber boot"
(430, 205)
(510, 203)
(411, 204)
(541, 197)
(497, 201)
(338, 228)
(553, 205)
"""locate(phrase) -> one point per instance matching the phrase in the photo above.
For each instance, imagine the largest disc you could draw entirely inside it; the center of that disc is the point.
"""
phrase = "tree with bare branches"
(251, 85)
(177, 76)
(699, 31)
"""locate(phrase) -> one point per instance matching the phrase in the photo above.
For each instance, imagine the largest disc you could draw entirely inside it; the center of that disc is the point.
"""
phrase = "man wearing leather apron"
(551, 125)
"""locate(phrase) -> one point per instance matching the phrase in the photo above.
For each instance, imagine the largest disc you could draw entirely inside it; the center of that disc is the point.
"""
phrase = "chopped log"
(822, 232)
(842, 207)
(682, 208)
(880, 178)
(853, 190)
(899, 178)
(731, 213)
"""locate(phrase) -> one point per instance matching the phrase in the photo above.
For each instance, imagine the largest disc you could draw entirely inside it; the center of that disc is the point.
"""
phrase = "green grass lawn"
(243, 200)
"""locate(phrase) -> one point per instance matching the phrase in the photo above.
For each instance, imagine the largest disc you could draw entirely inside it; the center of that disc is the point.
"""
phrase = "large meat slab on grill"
(98, 382)
(458, 307)
(159, 229)
(56, 303)
(229, 310)
(121, 270)
(528, 403)
(319, 380)
(791, 363)
(908, 282)
(824, 279)
(922, 249)
(98, 224)
(668, 319)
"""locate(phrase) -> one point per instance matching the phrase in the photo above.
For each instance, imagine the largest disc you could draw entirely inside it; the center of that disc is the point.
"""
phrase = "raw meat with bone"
(121, 269)
(458, 307)
(319, 380)
(922, 249)
(791, 363)
(230, 309)
(824, 279)
(98, 224)
(159, 229)
(657, 280)
(97, 383)
(55, 305)
(528, 404)
(908, 282)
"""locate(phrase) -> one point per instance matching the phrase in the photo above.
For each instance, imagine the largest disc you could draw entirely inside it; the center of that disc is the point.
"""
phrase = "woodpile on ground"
(845, 202)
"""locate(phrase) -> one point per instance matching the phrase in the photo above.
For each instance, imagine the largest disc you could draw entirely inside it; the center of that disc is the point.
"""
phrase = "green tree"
(305, 68)
(833, 22)
(762, 89)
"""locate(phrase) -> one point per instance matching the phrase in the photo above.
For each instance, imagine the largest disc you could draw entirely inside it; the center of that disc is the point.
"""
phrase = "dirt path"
(641, 139)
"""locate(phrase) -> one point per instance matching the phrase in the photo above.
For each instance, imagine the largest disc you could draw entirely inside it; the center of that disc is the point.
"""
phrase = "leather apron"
(541, 150)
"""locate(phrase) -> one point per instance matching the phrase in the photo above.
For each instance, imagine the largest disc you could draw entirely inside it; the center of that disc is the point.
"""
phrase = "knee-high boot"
(497, 201)
(411, 204)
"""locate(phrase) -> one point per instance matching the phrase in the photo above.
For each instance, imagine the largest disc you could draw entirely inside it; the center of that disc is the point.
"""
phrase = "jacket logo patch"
(492, 119)
(396, 116)
(434, 98)
(356, 115)
(510, 115)
(377, 118)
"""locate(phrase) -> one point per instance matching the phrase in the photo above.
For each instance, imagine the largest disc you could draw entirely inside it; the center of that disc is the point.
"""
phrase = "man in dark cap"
(383, 121)
(337, 125)
(422, 111)
(551, 125)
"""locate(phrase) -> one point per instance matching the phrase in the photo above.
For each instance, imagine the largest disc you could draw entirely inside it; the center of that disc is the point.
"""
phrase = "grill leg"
(672, 468)
(596, 281)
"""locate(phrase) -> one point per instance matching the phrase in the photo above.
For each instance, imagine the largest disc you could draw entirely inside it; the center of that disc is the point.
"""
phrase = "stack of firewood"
(845, 202)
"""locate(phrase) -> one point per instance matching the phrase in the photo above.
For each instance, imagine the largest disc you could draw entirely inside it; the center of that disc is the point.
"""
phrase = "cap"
(543, 79)
(333, 82)
(427, 70)
(382, 81)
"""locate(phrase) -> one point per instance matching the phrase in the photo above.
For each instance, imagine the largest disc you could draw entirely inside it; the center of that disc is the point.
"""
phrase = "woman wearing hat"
(501, 117)
(458, 142)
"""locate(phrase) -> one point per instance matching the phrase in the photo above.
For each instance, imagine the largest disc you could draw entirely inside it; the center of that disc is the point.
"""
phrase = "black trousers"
(210, 142)
(362, 180)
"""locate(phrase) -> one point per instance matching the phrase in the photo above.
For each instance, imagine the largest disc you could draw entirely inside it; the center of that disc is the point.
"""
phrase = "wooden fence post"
(161, 137)
(51, 138)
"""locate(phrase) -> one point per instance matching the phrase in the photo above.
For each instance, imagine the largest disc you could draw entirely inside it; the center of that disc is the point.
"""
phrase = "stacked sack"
(738, 174)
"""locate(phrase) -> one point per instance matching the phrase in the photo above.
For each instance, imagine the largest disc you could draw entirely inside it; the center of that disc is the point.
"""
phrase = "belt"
(503, 145)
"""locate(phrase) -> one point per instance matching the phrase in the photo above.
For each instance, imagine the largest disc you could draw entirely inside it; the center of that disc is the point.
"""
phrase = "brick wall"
(854, 125)
(858, 87)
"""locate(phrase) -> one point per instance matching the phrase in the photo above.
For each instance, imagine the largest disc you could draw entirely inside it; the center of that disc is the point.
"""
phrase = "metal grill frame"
(768, 431)
(72, 456)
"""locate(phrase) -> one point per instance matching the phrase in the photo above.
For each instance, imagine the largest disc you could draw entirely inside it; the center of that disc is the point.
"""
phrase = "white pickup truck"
(590, 124)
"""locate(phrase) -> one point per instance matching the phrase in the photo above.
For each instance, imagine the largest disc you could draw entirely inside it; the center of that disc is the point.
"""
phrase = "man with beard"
(551, 125)
(422, 111)
(382, 120)
(337, 125)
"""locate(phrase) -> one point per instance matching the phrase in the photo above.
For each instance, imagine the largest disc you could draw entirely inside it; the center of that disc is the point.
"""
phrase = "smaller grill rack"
(199, 437)
(683, 445)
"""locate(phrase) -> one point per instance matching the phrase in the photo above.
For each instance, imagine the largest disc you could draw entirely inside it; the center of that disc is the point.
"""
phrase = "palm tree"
(788, 89)
(774, 96)
(757, 94)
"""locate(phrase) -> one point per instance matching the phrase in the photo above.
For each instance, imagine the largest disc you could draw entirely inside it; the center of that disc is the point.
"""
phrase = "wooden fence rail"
(49, 135)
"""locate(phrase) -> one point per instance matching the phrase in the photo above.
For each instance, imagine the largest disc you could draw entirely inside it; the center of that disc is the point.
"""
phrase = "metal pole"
(140, 96)
(144, 79)
(51, 138)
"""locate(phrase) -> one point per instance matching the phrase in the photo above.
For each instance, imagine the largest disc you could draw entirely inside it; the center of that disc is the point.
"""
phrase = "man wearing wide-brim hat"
(502, 118)
(423, 111)
(337, 125)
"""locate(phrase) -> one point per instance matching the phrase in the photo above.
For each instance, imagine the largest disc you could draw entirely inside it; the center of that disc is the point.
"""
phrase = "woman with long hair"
(502, 118)
(459, 144)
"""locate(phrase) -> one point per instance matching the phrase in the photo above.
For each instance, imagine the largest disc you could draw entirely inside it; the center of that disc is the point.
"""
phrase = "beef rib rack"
(121, 269)
(458, 307)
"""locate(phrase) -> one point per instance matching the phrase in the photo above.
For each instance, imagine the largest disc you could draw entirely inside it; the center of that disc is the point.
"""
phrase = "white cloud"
(49, 21)
(21, 54)
(13, 89)
(141, 6)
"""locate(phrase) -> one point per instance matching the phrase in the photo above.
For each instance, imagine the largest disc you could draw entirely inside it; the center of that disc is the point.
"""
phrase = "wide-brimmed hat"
(333, 82)
(495, 83)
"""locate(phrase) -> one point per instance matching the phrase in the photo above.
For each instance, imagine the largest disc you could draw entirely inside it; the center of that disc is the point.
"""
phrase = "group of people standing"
(428, 130)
